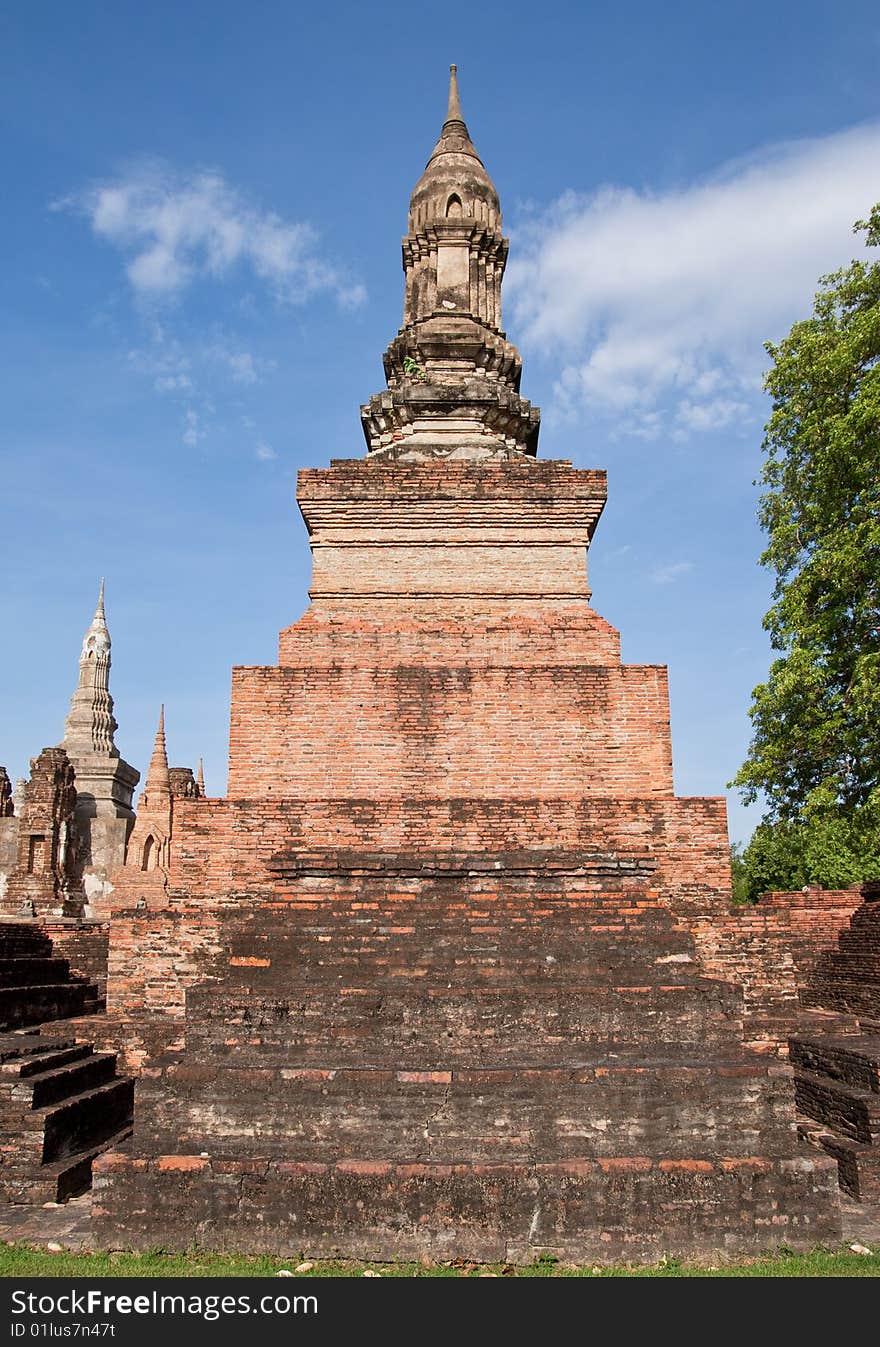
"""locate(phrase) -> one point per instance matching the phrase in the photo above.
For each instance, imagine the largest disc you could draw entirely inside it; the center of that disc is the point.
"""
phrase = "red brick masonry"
(433, 977)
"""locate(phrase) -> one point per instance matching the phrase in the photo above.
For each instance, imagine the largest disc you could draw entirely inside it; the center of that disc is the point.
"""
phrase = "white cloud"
(172, 383)
(192, 431)
(658, 304)
(164, 361)
(264, 452)
(714, 413)
(174, 229)
(242, 367)
(668, 574)
(192, 369)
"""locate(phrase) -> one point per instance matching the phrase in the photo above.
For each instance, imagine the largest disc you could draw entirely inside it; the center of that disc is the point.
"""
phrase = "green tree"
(834, 851)
(739, 874)
(815, 750)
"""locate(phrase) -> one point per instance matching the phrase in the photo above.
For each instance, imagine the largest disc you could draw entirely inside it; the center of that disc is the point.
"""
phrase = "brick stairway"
(495, 1065)
(35, 986)
(61, 1103)
(837, 1057)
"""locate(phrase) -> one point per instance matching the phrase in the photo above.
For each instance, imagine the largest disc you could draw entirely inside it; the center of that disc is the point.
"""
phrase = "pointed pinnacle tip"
(453, 111)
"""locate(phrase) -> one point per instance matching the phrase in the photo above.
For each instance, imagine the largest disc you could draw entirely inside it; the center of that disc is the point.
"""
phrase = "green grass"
(23, 1260)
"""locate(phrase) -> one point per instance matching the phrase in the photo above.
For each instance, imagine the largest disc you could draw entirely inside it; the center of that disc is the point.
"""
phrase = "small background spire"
(158, 779)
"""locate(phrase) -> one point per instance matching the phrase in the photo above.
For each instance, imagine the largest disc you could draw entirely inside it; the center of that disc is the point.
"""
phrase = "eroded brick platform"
(495, 1056)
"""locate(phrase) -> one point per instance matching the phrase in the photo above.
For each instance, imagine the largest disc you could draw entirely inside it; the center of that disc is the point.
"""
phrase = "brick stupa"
(423, 983)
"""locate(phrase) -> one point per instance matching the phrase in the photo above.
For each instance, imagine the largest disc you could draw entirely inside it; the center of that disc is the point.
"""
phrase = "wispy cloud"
(175, 367)
(174, 229)
(264, 452)
(660, 303)
(193, 431)
(241, 366)
(199, 373)
(672, 571)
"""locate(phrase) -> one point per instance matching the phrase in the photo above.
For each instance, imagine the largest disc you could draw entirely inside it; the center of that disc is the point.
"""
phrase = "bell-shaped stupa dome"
(455, 184)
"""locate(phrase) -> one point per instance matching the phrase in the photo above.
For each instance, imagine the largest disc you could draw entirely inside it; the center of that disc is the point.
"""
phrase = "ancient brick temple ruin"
(451, 970)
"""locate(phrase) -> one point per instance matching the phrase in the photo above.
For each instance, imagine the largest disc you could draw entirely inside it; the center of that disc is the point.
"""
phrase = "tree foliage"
(832, 851)
(815, 750)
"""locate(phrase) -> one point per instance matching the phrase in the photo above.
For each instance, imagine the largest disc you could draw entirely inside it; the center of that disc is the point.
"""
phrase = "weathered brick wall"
(228, 854)
(510, 529)
(770, 949)
(846, 977)
(84, 944)
(224, 847)
(813, 921)
(370, 732)
(453, 528)
(448, 634)
(154, 957)
(496, 485)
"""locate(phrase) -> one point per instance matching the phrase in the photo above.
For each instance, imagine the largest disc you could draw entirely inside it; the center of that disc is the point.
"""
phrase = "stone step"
(29, 972)
(478, 1115)
(858, 1164)
(864, 925)
(61, 1179)
(842, 1108)
(23, 941)
(50, 1001)
(418, 926)
(484, 970)
(413, 930)
(357, 1026)
(48, 1061)
(87, 1120)
(629, 1206)
(414, 937)
(816, 1021)
(539, 924)
(61, 1103)
(526, 915)
(854, 1059)
(848, 995)
(21, 1045)
(66, 1080)
(856, 964)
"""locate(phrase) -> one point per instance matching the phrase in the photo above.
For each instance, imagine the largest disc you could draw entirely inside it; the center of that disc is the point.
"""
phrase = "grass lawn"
(22, 1260)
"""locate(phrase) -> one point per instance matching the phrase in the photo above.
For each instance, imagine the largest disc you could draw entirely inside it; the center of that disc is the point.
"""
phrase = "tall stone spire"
(200, 778)
(104, 781)
(453, 378)
(90, 725)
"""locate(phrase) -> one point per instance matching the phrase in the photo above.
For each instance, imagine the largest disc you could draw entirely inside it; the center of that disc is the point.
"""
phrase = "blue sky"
(203, 209)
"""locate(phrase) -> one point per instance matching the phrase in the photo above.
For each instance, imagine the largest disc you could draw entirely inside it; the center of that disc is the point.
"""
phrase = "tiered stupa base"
(488, 1057)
